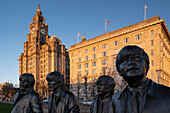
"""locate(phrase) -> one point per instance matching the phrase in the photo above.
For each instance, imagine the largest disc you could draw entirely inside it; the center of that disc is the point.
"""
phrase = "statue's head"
(55, 79)
(105, 84)
(132, 61)
(26, 81)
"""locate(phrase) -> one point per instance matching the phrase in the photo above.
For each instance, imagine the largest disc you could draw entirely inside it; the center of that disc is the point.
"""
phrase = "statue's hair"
(126, 50)
(29, 78)
(56, 76)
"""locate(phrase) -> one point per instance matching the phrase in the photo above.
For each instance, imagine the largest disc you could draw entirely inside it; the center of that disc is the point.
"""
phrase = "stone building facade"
(43, 54)
(7, 91)
(91, 58)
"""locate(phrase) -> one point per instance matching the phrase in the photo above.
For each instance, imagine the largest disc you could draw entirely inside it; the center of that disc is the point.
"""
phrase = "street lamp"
(85, 83)
(158, 72)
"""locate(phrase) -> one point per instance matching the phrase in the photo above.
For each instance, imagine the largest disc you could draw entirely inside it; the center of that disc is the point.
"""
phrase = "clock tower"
(38, 30)
(43, 54)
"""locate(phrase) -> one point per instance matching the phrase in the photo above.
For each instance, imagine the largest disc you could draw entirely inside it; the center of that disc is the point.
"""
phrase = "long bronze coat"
(65, 103)
(157, 100)
(29, 103)
(106, 107)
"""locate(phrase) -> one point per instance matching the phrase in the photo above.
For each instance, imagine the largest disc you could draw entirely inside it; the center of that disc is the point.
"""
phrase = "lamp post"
(85, 83)
(78, 89)
(158, 72)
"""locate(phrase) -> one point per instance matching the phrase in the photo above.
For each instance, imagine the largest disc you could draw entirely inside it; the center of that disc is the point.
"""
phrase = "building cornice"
(132, 28)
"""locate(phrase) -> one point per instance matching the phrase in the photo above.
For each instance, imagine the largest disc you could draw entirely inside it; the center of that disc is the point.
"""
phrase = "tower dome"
(38, 12)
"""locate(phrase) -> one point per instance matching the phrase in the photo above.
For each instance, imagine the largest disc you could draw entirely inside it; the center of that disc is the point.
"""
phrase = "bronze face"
(132, 65)
(132, 61)
(102, 87)
(53, 84)
(24, 83)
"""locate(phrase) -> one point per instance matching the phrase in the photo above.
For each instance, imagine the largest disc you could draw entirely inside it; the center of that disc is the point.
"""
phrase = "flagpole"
(105, 25)
(145, 12)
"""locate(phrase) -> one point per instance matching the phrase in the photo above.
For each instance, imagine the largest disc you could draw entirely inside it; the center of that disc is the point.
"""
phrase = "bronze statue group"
(141, 95)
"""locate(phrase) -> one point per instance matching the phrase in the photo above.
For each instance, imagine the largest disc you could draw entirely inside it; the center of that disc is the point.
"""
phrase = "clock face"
(32, 30)
(43, 31)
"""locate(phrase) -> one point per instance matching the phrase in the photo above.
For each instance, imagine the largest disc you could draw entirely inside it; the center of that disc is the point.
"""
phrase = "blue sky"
(65, 19)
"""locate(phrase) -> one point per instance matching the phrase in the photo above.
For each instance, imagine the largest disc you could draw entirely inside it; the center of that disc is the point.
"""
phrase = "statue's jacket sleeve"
(66, 103)
(107, 105)
(30, 103)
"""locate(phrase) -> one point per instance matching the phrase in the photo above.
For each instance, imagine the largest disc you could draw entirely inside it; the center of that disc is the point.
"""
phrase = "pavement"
(83, 109)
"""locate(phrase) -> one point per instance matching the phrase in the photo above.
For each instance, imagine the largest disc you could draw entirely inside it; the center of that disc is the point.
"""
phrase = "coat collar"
(61, 93)
(152, 91)
(18, 94)
(104, 100)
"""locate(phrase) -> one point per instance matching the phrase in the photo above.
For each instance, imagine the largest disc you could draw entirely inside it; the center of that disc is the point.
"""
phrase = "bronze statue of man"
(141, 95)
(61, 100)
(105, 89)
(26, 99)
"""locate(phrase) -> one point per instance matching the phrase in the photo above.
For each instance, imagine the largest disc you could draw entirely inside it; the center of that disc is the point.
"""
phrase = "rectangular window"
(152, 43)
(152, 33)
(116, 43)
(126, 40)
(79, 73)
(79, 66)
(86, 50)
(152, 63)
(86, 57)
(94, 56)
(79, 59)
(86, 72)
(72, 60)
(104, 62)
(152, 74)
(103, 46)
(104, 54)
(94, 48)
(86, 65)
(104, 70)
(94, 71)
(138, 37)
(94, 64)
(151, 52)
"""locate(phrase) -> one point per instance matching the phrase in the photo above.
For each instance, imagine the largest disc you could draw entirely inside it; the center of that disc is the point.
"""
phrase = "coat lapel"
(50, 103)
(123, 99)
(16, 98)
(153, 90)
